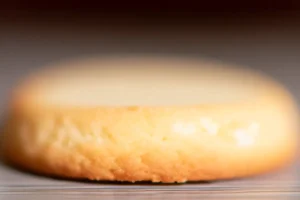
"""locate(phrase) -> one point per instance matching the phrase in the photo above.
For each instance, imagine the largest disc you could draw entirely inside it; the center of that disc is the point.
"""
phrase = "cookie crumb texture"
(74, 125)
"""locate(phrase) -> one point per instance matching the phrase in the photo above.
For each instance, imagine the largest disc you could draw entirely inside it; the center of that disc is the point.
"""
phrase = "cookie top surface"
(141, 82)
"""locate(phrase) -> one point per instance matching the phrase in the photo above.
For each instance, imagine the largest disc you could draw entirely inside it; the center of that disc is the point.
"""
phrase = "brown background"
(263, 35)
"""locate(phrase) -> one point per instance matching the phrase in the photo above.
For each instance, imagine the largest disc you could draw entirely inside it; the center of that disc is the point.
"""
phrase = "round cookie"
(150, 119)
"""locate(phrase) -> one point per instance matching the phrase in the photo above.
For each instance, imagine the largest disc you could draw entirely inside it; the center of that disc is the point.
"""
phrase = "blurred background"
(260, 34)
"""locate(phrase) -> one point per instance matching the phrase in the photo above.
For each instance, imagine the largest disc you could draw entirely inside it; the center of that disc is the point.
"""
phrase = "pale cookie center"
(147, 88)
